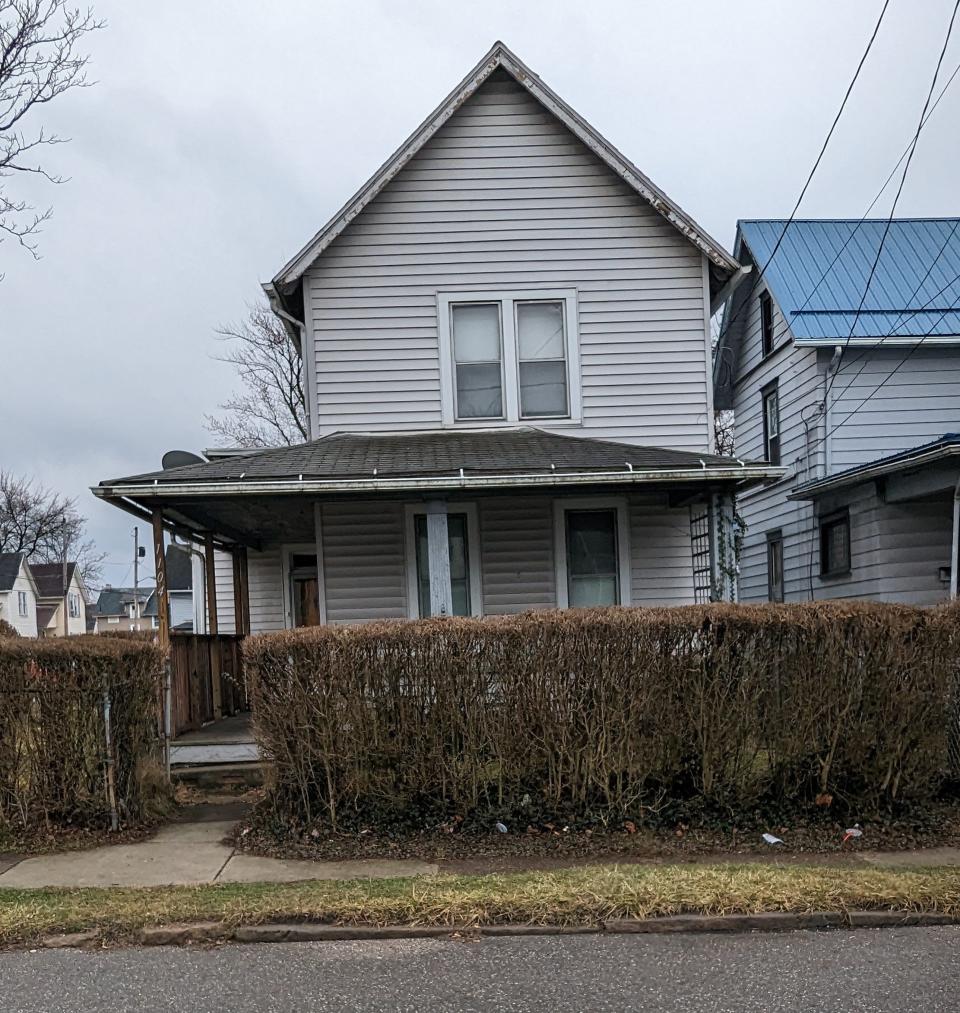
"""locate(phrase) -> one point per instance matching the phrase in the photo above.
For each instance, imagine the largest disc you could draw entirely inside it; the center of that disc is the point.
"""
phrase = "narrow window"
(766, 323)
(477, 354)
(774, 566)
(74, 601)
(771, 423)
(542, 359)
(22, 602)
(459, 564)
(593, 569)
(305, 589)
(835, 544)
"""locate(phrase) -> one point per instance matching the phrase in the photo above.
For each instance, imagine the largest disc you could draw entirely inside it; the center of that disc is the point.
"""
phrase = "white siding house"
(867, 385)
(18, 594)
(506, 346)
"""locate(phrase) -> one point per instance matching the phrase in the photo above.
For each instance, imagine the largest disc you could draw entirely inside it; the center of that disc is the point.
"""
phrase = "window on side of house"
(113, 619)
(766, 323)
(73, 601)
(770, 396)
(592, 552)
(775, 566)
(508, 356)
(23, 604)
(835, 543)
(478, 360)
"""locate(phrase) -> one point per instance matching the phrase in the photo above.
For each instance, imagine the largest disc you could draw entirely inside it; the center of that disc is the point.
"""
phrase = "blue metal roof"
(900, 303)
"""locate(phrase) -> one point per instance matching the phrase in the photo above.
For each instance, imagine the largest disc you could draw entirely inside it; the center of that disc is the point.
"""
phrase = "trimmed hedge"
(52, 745)
(596, 714)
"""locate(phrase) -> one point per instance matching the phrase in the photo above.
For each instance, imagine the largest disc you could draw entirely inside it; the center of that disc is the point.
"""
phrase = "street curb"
(770, 921)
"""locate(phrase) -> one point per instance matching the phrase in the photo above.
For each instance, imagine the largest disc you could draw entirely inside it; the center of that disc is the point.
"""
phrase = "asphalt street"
(867, 970)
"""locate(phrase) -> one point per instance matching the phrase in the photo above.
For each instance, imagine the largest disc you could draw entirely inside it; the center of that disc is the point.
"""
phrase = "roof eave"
(501, 56)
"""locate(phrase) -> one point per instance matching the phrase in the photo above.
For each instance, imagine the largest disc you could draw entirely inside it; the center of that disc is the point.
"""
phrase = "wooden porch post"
(160, 569)
(212, 625)
(245, 587)
(438, 554)
(238, 627)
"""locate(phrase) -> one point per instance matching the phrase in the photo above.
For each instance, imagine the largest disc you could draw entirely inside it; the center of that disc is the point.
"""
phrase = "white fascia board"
(879, 342)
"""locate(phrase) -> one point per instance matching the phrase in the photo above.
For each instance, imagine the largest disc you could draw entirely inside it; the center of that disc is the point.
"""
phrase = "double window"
(593, 553)
(835, 543)
(73, 601)
(509, 356)
(22, 603)
(774, 566)
(771, 422)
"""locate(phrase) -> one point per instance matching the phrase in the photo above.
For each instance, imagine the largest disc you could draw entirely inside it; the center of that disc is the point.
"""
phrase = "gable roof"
(114, 601)
(10, 563)
(500, 57)
(49, 578)
(903, 301)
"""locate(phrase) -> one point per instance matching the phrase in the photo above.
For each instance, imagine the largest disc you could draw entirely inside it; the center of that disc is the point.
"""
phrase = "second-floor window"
(22, 604)
(509, 356)
(74, 602)
(766, 323)
(771, 422)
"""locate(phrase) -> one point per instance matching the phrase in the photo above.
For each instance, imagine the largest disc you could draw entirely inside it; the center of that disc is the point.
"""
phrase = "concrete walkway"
(187, 854)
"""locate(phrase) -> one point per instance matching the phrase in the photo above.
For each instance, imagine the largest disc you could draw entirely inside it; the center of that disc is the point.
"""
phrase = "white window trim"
(560, 508)
(286, 554)
(23, 604)
(510, 368)
(473, 555)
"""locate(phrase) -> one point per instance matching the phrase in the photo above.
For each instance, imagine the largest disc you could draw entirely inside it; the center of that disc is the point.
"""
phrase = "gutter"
(868, 472)
(255, 487)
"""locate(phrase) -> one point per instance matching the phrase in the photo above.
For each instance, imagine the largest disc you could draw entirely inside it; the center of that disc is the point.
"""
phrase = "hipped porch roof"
(241, 497)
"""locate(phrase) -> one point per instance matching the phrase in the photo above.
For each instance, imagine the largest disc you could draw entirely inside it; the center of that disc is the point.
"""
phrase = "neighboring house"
(862, 408)
(50, 588)
(123, 608)
(18, 593)
(506, 346)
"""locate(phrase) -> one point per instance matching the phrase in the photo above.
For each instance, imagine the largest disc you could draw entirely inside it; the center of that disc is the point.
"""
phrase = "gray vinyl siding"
(363, 561)
(661, 552)
(517, 554)
(504, 197)
(897, 402)
(799, 375)
(226, 611)
(265, 581)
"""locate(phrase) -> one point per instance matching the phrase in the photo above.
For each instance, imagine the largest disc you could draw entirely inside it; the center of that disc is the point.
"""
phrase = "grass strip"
(583, 896)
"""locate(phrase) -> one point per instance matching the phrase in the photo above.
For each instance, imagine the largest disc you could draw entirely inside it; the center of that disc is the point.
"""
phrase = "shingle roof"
(10, 563)
(114, 601)
(49, 578)
(902, 300)
(419, 455)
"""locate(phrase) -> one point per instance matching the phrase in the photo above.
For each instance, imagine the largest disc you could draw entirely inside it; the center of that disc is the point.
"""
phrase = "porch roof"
(266, 495)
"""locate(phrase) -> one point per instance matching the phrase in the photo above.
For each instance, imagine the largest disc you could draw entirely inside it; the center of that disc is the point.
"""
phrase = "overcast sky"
(221, 135)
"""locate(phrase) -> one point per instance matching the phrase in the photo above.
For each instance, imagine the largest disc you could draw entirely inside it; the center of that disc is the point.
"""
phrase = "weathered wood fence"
(206, 679)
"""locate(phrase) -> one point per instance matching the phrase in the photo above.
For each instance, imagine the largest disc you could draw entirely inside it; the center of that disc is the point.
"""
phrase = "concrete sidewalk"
(187, 853)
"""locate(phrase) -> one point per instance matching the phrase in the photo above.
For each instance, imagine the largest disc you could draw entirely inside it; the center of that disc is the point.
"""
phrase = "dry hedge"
(596, 714)
(52, 745)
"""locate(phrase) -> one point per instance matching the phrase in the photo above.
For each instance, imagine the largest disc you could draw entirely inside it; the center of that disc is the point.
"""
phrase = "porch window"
(771, 423)
(774, 566)
(835, 544)
(477, 351)
(458, 541)
(304, 589)
(593, 553)
(509, 356)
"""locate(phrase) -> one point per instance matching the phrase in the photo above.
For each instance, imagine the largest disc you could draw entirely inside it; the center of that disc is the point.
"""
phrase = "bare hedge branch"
(595, 715)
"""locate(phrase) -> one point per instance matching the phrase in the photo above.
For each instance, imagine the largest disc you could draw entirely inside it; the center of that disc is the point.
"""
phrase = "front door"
(304, 589)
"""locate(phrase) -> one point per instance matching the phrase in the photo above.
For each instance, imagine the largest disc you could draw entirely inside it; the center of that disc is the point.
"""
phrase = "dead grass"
(582, 896)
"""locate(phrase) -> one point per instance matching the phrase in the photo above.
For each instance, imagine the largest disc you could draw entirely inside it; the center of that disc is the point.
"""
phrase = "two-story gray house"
(842, 364)
(506, 344)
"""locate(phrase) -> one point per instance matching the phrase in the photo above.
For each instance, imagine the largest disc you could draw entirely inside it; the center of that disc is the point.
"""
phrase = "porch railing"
(206, 679)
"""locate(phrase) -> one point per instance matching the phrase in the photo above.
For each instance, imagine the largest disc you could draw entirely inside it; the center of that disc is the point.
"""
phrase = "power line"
(896, 199)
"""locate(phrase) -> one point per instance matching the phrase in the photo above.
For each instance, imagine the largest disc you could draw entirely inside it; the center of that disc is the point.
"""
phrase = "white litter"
(770, 839)
(501, 828)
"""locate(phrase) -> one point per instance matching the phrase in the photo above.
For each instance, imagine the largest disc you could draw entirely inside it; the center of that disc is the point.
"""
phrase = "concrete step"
(220, 775)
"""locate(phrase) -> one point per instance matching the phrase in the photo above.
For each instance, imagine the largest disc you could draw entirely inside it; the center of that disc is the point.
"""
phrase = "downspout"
(955, 559)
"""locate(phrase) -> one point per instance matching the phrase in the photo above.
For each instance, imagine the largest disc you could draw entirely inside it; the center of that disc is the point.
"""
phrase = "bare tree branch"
(271, 409)
(38, 62)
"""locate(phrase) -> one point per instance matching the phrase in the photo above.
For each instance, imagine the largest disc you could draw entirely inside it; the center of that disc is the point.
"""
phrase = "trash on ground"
(770, 839)
(501, 828)
(852, 833)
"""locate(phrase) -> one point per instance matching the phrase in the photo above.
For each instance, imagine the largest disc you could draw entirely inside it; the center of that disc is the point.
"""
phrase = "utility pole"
(136, 578)
(66, 586)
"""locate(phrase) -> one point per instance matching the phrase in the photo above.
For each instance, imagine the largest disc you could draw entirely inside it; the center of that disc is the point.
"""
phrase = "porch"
(357, 528)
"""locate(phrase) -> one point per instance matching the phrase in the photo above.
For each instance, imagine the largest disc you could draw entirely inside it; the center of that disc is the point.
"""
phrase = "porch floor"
(229, 740)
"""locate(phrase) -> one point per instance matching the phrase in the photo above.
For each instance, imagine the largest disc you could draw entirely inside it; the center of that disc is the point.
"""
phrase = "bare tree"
(46, 526)
(38, 62)
(270, 410)
(723, 432)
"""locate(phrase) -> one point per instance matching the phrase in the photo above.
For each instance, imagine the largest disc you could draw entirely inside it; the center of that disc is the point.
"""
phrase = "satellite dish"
(179, 459)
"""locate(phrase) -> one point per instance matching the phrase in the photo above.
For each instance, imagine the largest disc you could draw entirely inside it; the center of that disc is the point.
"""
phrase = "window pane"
(479, 393)
(540, 330)
(839, 554)
(543, 388)
(773, 413)
(592, 563)
(476, 333)
(459, 563)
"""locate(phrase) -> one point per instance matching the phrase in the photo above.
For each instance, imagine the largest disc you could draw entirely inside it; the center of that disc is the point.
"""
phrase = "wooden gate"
(207, 679)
